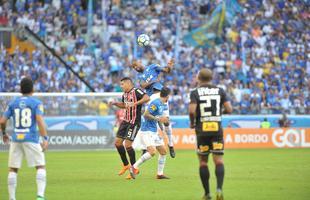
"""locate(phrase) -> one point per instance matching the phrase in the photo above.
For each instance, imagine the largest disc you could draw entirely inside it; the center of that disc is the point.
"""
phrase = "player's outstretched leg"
(12, 182)
(219, 172)
(168, 130)
(134, 170)
(41, 182)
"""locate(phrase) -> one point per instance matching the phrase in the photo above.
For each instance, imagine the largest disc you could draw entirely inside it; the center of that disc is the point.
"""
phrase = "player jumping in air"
(205, 110)
(148, 76)
(27, 113)
(132, 101)
(150, 135)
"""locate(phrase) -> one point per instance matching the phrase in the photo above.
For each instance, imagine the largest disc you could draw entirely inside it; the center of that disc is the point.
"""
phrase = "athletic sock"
(12, 182)
(41, 182)
(131, 154)
(204, 176)
(142, 159)
(161, 164)
(122, 152)
(168, 130)
(219, 172)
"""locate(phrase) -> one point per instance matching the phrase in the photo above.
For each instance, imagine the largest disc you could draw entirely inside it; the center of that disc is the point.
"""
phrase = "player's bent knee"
(40, 167)
(151, 151)
(128, 144)
(203, 164)
(13, 169)
(219, 162)
(117, 144)
(163, 152)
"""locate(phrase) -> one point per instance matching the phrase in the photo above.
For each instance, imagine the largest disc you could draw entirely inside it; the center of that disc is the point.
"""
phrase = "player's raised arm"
(169, 66)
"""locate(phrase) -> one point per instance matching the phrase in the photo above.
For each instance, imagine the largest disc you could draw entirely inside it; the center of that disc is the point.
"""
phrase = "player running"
(150, 135)
(149, 77)
(205, 110)
(132, 101)
(27, 113)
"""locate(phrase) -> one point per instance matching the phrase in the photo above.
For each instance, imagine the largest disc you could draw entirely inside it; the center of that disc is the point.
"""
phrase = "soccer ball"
(143, 40)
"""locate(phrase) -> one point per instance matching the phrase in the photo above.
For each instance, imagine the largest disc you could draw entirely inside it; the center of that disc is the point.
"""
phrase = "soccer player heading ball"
(148, 78)
(205, 110)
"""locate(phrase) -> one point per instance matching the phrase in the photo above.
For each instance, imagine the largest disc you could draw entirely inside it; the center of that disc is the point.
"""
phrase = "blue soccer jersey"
(150, 74)
(155, 108)
(23, 110)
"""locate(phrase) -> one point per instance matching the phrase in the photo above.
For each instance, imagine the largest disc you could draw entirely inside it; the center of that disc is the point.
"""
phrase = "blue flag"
(212, 32)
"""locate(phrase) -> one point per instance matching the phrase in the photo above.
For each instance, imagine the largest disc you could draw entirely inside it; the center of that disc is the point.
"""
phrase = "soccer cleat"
(172, 152)
(219, 195)
(124, 169)
(128, 177)
(162, 177)
(207, 197)
(40, 198)
(133, 172)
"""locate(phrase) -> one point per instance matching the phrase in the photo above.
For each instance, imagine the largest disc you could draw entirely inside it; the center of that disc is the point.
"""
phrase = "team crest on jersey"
(22, 104)
(153, 107)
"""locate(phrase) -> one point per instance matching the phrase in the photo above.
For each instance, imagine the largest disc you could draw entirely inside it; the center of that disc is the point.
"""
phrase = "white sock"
(12, 182)
(161, 164)
(168, 130)
(41, 182)
(142, 159)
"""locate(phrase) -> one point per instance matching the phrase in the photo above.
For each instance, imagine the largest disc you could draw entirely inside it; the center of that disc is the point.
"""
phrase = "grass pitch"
(274, 174)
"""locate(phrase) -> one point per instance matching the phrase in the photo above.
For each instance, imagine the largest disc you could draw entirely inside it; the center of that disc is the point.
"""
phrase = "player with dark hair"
(150, 136)
(27, 113)
(132, 101)
(205, 110)
(149, 77)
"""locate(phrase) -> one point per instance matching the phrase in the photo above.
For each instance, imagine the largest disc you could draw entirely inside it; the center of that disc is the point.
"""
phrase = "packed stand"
(262, 64)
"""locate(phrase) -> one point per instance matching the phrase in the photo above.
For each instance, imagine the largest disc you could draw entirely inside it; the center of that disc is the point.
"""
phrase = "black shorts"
(128, 131)
(210, 144)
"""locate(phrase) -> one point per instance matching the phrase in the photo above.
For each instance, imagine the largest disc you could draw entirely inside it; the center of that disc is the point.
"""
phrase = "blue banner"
(234, 121)
(211, 32)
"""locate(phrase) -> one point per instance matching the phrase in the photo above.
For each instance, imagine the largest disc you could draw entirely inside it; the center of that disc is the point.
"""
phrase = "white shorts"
(151, 139)
(32, 151)
(156, 96)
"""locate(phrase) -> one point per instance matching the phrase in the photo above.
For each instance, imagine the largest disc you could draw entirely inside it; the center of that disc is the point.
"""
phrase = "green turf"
(277, 174)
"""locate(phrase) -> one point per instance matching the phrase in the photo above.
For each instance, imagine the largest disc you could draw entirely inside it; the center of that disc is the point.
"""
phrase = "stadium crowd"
(263, 63)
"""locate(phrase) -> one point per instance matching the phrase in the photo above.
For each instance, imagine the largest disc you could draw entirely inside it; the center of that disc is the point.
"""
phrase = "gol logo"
(290, 138)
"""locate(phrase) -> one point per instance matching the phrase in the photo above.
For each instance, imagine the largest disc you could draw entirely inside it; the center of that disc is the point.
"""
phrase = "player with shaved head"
(205, 110)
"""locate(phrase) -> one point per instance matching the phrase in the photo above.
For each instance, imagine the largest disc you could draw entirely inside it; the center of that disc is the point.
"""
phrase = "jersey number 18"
(22, 117)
